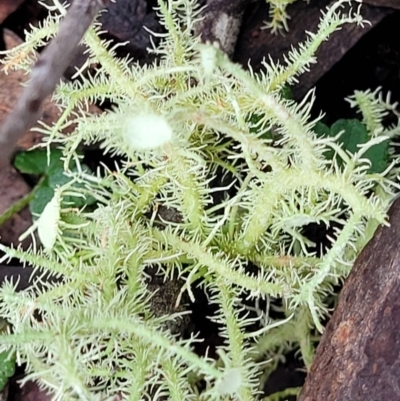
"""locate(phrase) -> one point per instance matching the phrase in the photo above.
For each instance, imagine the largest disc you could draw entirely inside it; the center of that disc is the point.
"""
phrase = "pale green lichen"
(97, 336)
(278, 15)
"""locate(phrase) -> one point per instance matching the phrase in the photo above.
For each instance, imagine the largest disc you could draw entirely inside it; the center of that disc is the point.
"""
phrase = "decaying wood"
(7, 7)
(358, 358)
(384, 3)
(221, 23)
(255, 44)
(46, 73)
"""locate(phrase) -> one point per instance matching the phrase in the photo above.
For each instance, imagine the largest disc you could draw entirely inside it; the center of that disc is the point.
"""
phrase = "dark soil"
(373, 62)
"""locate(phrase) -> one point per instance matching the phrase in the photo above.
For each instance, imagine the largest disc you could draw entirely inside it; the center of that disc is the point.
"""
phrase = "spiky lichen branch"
(242, 193)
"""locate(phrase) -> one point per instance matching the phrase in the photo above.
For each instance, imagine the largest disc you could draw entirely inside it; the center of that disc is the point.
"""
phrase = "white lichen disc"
(230, 383)
(48, 222)
(147, 131)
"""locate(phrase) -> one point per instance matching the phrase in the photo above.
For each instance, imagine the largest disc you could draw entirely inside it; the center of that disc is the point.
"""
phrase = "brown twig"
(46, 73)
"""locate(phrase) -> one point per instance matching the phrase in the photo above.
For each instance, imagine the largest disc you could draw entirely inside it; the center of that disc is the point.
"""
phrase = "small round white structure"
(48, 222)
(230, 383)
(147, 131)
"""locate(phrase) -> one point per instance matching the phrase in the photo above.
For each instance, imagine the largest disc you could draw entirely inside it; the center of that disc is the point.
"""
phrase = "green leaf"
(355, 134)
(255, 127)
(35, 161)
(7, 367)
(43, 196)
(322, 130)
(58, 178)
(378, 155)
(286, 92)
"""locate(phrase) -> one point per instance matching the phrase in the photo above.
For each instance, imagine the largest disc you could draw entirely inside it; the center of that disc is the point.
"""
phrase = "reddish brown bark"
(358, 358)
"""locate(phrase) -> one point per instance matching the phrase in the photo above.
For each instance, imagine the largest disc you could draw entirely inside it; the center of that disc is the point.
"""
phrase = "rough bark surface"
(384, 3)
(257, 44)
(221, 22)
(358, 358)
(7, 7)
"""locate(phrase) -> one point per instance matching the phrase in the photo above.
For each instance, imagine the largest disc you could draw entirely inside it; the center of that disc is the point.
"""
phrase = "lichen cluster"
(278, 15)
(181, 126)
